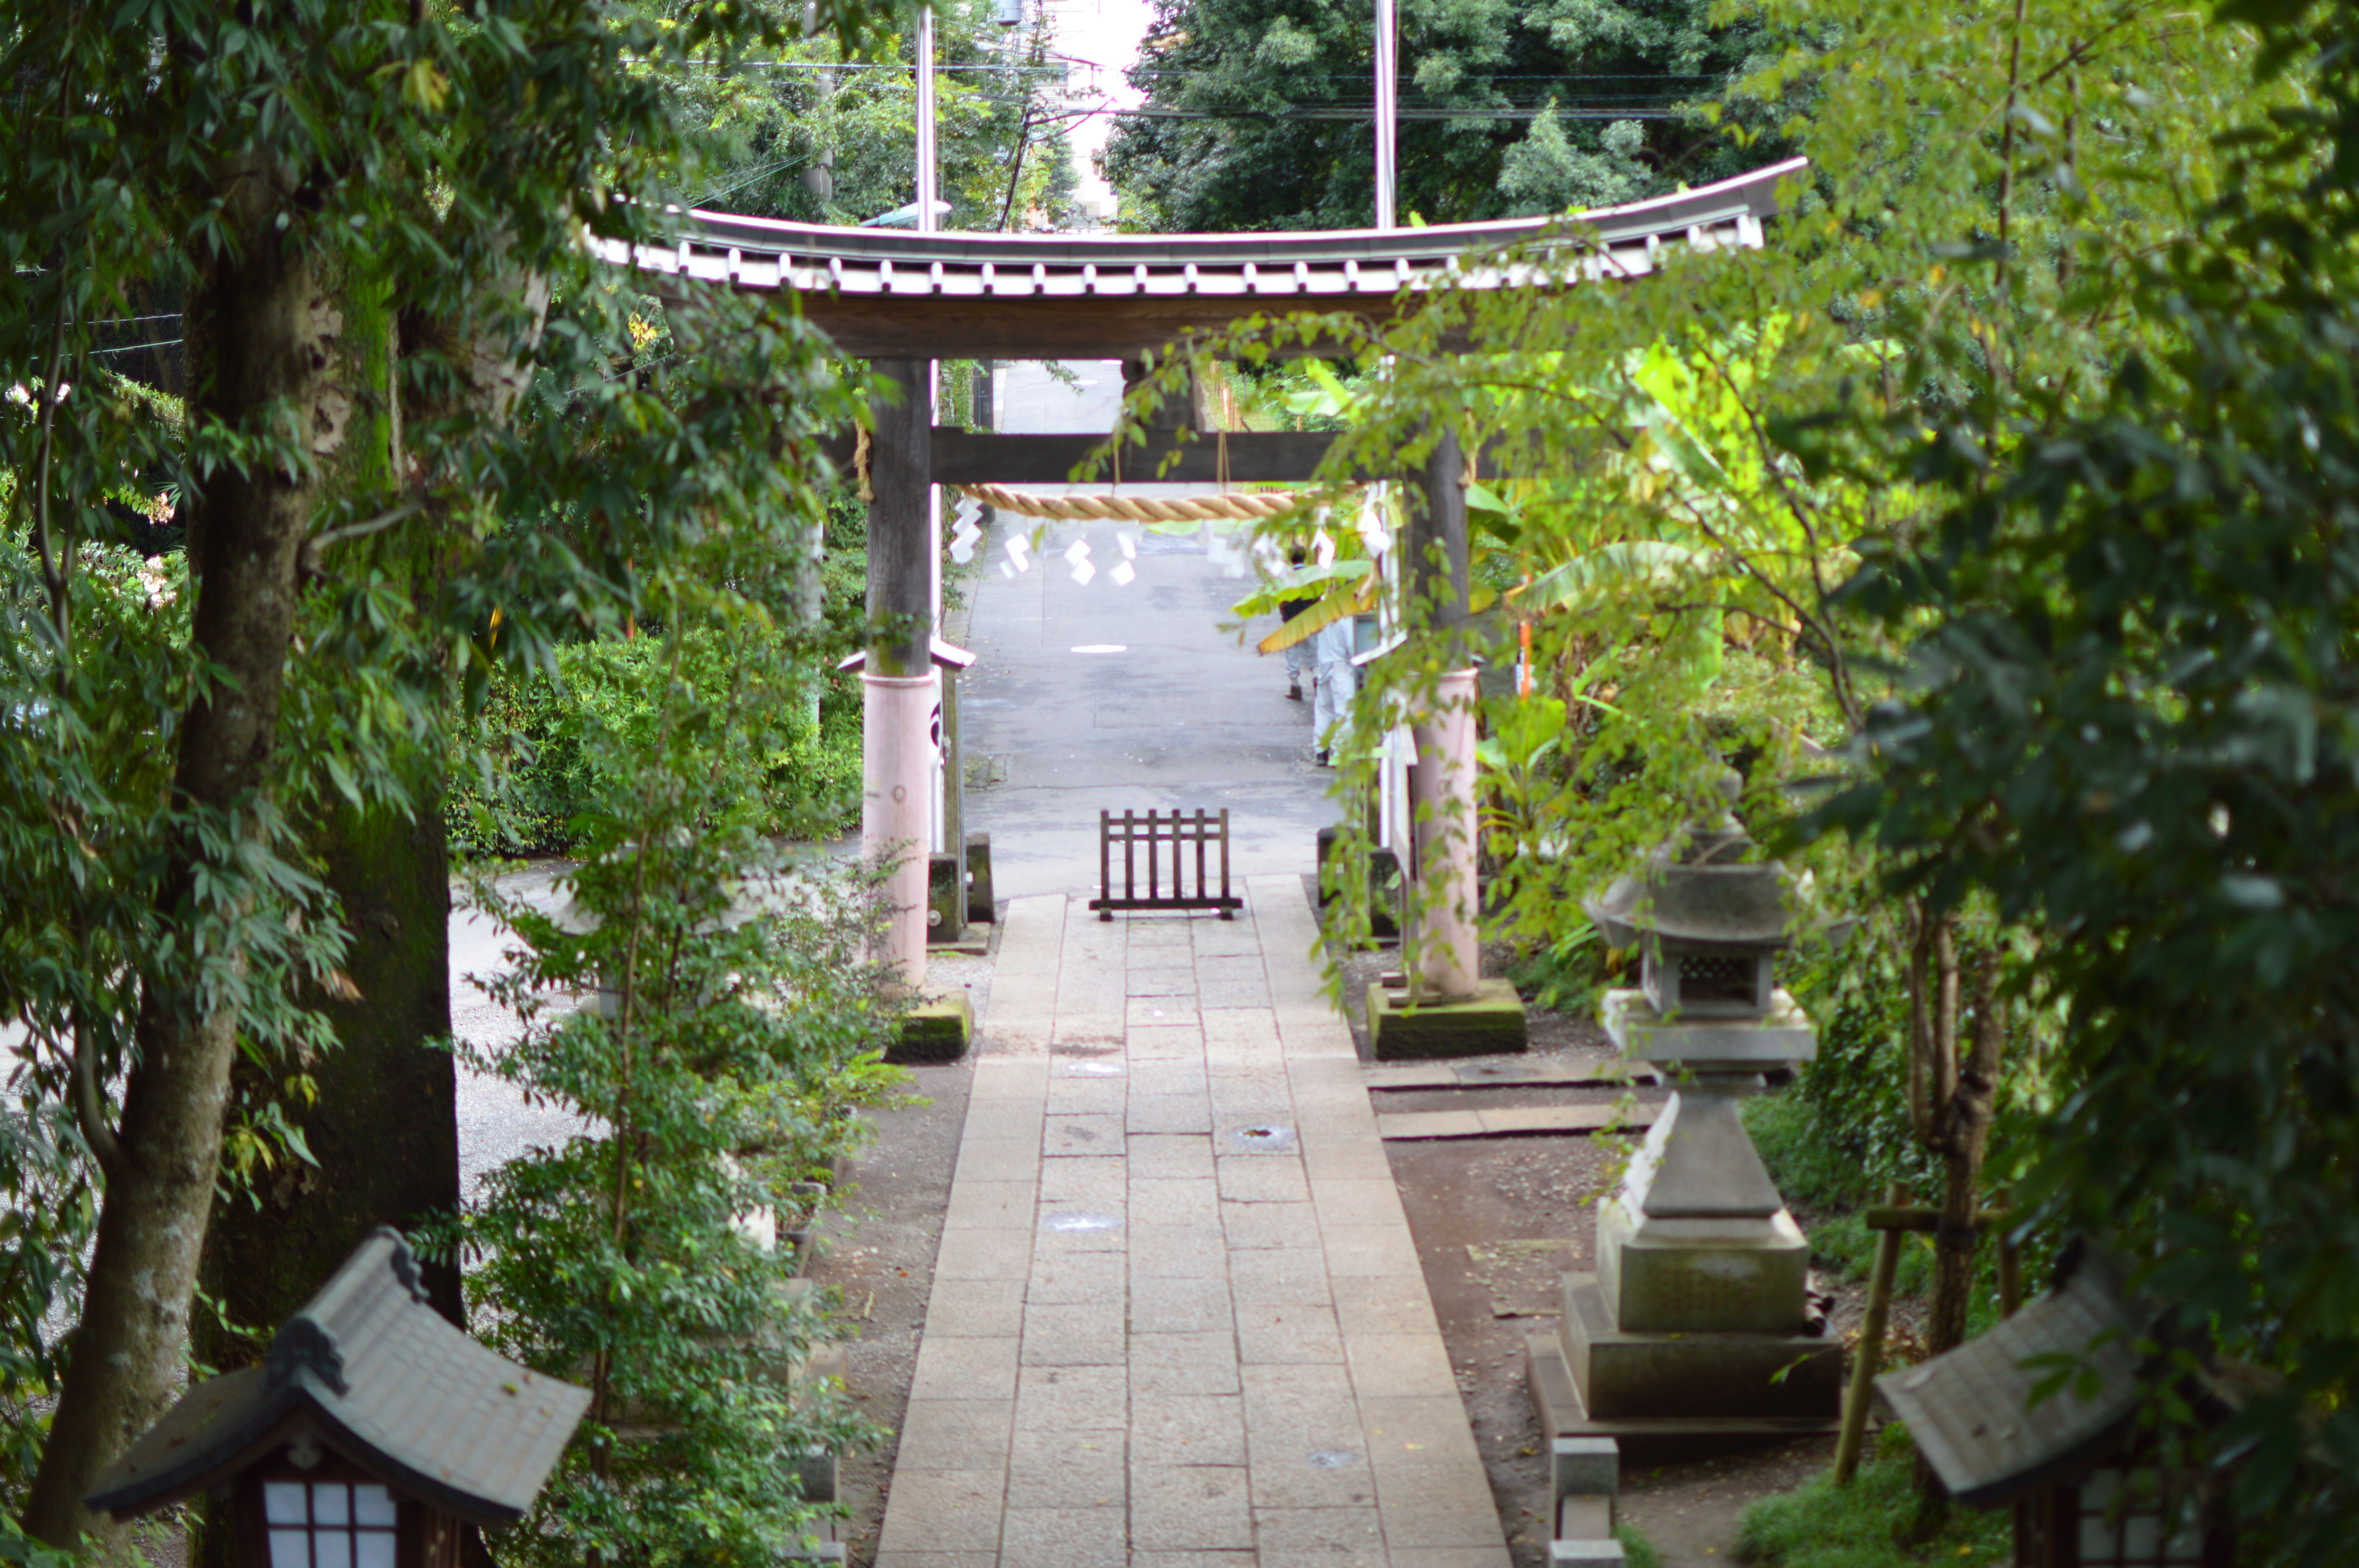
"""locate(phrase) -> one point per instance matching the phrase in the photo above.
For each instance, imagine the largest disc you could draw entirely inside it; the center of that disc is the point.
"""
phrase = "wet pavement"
(1102, 695)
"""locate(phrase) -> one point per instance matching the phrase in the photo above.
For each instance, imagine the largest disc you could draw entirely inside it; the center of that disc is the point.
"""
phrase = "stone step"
(1510, 1076)
(1585, 1554)
(1580, 1517)
(1511, 1121)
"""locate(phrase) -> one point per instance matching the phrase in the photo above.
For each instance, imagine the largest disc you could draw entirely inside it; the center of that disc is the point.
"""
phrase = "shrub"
(707, 1012)
(1568, 972)
(1835, 1137)
(544, 747)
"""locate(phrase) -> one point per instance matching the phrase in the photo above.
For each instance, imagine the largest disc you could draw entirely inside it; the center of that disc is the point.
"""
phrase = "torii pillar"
(897, 679)
(1441, 782)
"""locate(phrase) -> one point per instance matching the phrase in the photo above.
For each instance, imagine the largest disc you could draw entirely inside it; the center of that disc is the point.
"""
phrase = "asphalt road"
(1102, 695)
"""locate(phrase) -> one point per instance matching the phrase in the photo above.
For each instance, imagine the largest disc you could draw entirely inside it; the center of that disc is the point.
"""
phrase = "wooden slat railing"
(1166, 887)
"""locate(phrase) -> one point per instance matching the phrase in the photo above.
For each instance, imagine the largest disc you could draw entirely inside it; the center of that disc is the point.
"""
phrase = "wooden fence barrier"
(1151, 832)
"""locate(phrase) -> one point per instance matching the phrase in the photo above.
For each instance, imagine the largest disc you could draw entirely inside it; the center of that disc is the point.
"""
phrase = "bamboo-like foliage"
(709, 1015)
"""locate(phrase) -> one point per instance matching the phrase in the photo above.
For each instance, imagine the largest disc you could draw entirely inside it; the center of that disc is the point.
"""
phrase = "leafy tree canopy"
(2020, 471)
(418, 446)
(823, 132)
(1565, 103)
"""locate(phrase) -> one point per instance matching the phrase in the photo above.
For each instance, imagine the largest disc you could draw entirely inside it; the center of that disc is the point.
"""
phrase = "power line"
(1654, 110)
(1502, 76)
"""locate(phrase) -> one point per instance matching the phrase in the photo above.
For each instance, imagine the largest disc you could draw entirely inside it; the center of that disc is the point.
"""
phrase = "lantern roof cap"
(1701, 887)
(375, 1372)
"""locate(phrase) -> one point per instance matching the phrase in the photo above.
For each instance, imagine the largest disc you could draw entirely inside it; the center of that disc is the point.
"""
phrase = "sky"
(1106, 35)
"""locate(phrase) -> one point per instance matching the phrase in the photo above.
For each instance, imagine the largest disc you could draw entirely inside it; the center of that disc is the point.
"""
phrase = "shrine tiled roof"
(380, 1376)
(1970, 1411)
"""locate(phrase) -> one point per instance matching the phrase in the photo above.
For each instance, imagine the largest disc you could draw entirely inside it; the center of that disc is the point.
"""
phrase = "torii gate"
(903, 300)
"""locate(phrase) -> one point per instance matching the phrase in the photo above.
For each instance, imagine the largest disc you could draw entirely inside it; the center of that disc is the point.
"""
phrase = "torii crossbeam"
(904, 300)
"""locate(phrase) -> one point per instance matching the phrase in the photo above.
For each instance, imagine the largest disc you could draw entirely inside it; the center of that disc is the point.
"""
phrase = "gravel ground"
(495, 1125)
(875, 1247)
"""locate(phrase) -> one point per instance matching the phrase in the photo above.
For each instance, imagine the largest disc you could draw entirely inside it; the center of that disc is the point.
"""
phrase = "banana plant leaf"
(1267, 598)
(1339, 602)
(1631, 563)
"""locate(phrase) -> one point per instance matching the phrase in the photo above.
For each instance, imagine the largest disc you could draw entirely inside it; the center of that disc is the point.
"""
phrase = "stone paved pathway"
(1178, 1321)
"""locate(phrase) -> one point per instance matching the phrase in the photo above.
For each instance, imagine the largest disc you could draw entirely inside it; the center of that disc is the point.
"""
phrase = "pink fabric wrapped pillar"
(896, 806)
(1442, 796)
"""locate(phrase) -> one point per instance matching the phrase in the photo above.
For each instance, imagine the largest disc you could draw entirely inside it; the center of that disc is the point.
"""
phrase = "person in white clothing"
(1330, 714)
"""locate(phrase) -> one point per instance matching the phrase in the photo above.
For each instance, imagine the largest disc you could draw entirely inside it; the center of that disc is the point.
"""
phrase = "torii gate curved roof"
(888, 294)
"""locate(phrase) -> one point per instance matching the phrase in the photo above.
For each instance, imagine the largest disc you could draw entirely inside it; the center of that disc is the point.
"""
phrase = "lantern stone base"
(938, 1029)
(1489, 1023)
(1649, 1440)
(1701, 1276)
(1620, 1373)
(979, 909)
(1383, 884)
(1697, 1240)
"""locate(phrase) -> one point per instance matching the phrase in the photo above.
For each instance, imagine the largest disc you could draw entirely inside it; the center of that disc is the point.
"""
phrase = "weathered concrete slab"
(938, 1029)
(1511, 1121)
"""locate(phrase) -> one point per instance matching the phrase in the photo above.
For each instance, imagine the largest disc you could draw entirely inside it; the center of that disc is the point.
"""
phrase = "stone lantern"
(1699, 1311)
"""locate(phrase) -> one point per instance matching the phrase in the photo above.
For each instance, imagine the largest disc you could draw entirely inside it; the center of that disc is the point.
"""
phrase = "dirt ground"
(876, 1249)
(1496, 1221)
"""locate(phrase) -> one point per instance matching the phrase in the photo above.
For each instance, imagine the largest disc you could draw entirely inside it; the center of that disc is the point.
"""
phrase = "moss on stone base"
(936, 1030)
(1490, 1023)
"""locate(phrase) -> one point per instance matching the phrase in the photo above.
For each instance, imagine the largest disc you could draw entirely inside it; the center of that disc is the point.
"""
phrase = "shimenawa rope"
(1138, 508)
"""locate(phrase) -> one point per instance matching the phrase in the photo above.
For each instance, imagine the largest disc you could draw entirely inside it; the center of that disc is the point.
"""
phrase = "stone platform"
(1489, 1023)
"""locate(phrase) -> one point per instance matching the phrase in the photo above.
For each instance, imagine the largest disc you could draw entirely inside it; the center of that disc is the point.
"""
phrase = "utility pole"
(820, 177)
(909, 877)
(926, 171)
(1387, 108)
(1011, 16)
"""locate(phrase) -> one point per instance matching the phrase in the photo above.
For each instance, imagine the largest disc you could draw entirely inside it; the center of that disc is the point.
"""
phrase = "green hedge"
(523, 773)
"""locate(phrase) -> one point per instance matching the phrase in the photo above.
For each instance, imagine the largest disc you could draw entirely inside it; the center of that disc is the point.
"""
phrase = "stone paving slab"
(1177, 1319)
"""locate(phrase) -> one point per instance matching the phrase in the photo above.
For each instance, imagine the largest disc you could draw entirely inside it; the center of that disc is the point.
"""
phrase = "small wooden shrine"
(371, 1436)
(2087, 1492)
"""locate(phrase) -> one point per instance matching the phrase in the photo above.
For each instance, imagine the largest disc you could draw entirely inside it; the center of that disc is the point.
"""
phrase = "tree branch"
(90, 1105)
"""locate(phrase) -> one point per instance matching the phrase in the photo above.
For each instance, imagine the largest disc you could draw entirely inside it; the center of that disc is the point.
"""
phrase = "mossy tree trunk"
(385, 1129)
